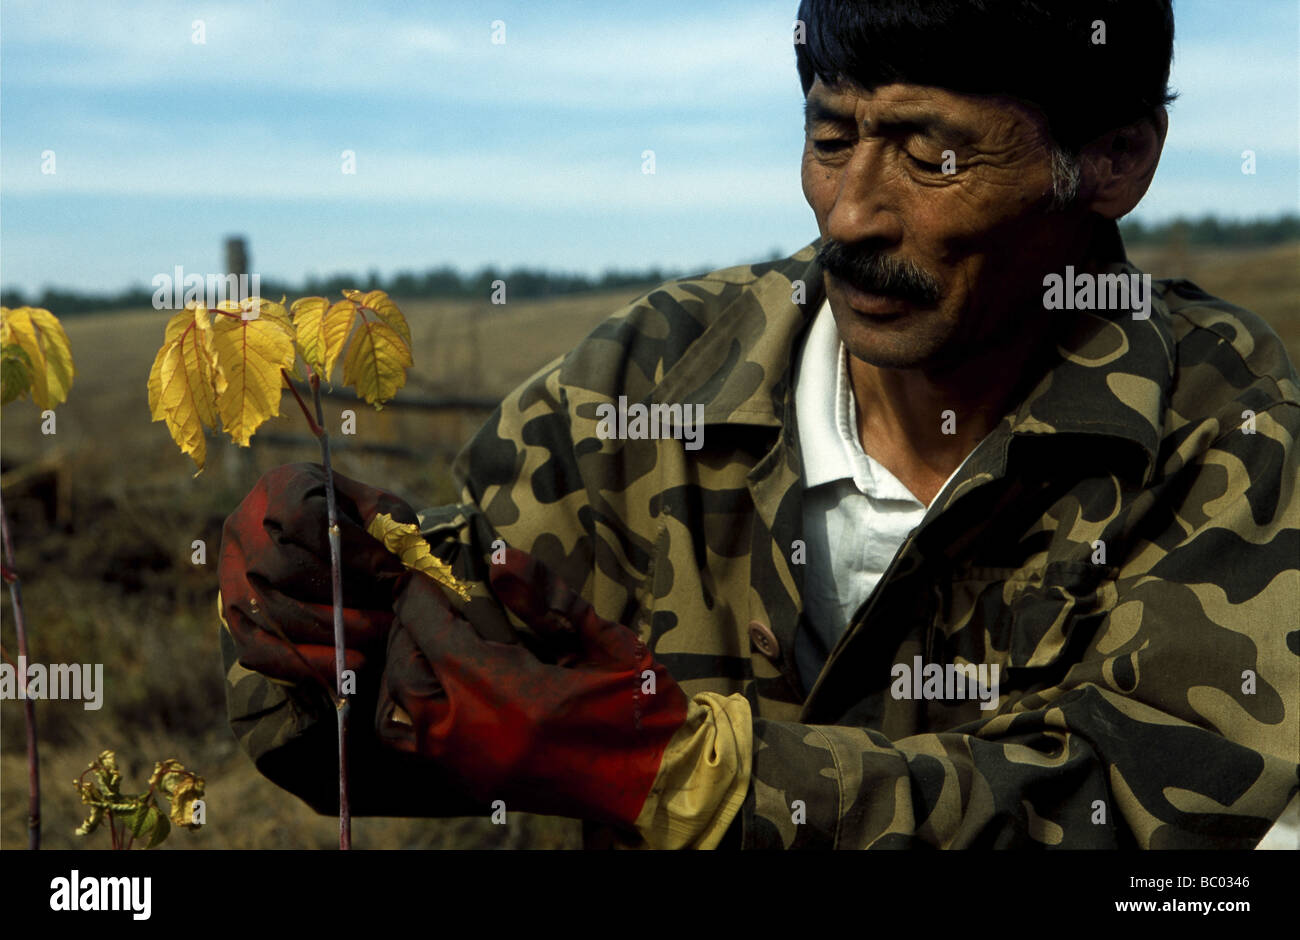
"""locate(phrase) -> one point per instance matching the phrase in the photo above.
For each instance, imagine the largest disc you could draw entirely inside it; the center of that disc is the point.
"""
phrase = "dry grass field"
(111, 580)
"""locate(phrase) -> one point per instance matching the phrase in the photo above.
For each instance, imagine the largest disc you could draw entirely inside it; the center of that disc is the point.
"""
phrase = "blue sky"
(470, 153)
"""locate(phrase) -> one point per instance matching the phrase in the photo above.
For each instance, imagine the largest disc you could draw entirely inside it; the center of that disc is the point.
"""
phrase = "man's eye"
(831, 144)
(923, 165)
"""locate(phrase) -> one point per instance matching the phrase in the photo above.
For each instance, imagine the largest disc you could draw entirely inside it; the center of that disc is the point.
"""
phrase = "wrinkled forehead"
(940, 112)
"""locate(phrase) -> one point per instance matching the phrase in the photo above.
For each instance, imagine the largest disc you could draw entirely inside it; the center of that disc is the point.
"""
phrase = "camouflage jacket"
(1124, 546)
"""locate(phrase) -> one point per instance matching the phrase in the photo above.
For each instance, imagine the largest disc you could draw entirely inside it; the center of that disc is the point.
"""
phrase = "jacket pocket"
(1023, 618)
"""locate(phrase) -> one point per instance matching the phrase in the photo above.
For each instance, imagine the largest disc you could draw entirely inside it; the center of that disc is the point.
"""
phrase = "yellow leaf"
(376, 362)
(177, 324)
(321, 330)
(335, 327)
(387, 311)
(272, 311)
(181, 787)
(183, 796)
(58, 354)
(206, 351)
(308, 320)
(49, 356)
(250, 354)
(22, 332)
(185, 382)
(259, 308)
(404, 540)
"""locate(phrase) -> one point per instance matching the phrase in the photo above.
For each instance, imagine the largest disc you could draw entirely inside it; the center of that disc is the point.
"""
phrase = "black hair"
(1042, 52)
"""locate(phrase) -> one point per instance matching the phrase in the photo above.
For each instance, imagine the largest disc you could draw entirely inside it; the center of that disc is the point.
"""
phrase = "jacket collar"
(739, 369)
(1110, 374)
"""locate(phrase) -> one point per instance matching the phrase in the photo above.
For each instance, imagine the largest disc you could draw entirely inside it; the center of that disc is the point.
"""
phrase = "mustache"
(876, 273)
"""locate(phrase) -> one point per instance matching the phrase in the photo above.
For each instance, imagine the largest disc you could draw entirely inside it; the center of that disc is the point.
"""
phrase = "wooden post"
(236, 255)
(237, 461)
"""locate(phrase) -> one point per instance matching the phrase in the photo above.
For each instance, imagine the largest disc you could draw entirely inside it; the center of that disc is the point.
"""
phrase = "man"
(950, 529)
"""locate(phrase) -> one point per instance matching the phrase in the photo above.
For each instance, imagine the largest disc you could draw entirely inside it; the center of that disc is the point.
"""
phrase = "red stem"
(312, 423)
(29, 705)
(341, 702)
(318, 431)
(317, 425)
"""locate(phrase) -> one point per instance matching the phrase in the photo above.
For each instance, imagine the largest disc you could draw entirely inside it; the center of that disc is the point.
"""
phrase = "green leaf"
(160, 831)
(149, 822)
(15, 373)
(139, 820)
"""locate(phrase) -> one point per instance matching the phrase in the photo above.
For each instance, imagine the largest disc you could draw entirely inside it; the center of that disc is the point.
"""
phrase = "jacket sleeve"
(1179, 726)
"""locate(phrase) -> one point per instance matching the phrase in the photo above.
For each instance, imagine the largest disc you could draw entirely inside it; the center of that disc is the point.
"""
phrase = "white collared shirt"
(856, 514)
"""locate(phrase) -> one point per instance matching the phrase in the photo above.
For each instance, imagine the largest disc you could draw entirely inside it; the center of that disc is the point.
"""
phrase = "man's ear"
(1118, 166)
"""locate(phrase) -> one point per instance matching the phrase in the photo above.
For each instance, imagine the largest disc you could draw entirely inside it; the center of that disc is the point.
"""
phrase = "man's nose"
(865, 207)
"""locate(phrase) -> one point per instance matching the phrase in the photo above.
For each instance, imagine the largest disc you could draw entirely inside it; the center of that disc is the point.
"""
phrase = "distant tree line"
(531, 283)
(437, 283)
(1209, 230)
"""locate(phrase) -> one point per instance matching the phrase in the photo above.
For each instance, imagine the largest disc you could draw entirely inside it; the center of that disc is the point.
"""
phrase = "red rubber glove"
(578, 738)
(274, 572)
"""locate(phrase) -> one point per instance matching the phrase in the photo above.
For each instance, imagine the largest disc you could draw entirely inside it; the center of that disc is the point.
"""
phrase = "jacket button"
(764, 639)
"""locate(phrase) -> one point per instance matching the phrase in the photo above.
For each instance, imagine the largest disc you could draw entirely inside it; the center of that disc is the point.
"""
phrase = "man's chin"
(901, 342)
(888, 358)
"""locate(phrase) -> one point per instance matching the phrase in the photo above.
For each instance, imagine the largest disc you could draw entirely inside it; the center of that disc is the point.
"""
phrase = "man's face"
(931, 265)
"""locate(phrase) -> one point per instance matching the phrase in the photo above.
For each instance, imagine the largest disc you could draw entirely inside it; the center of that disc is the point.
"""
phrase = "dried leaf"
(181, 787)
(101, 792)
(141, 814)
(93, 819)
(106, 771)
(404, 540)
(182, 797)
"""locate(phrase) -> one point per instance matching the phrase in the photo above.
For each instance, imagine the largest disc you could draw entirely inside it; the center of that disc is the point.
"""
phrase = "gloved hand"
(584, 737)
(276, 592)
